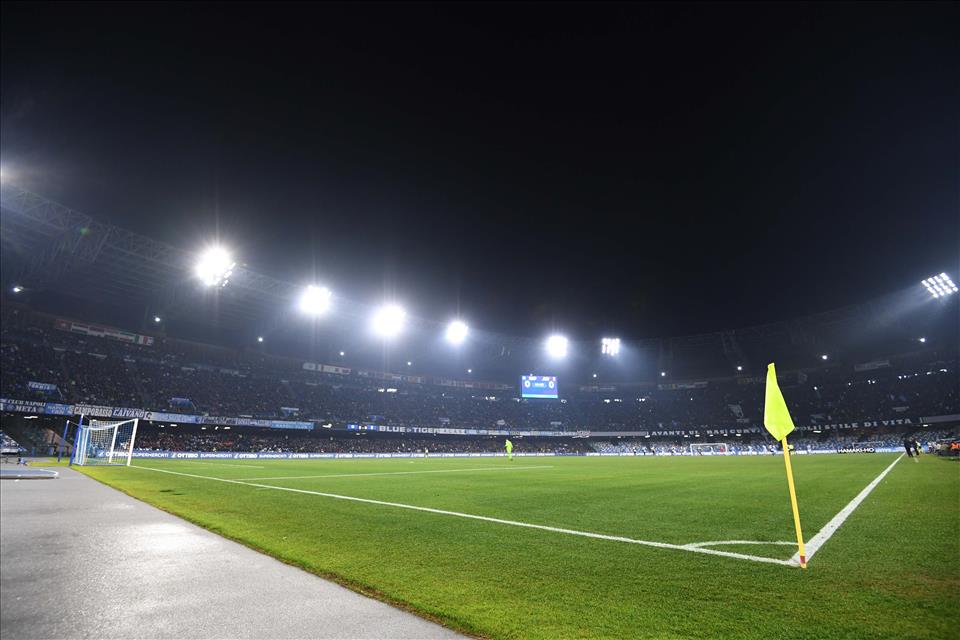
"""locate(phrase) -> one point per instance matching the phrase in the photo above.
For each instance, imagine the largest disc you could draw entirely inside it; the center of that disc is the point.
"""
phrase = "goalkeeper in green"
(509, 447)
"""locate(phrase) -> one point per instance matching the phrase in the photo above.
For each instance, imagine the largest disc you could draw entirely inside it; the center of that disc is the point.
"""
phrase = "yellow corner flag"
(777, 420)
(776, 417)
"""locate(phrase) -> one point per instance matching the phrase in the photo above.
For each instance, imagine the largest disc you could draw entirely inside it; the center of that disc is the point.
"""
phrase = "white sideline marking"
(401, 473)
(513, 523)
(831, 527)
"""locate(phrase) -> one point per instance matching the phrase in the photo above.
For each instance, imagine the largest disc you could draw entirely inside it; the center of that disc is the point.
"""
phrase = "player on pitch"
(509, 447)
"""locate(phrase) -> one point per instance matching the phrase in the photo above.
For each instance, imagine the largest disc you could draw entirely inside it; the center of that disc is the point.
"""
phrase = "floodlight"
(557, 346)
(457, 332)
(17, 288)
(469, 370)
(409, 364)
(739, 367)
(824, 357)
(594, 375)
(922, 339)
(315, 301)
(388, 321)
(940, 286)
(156, 319)
(259, 338)
(663, 374)
(215, 266)
(342, 353)
(610, 346)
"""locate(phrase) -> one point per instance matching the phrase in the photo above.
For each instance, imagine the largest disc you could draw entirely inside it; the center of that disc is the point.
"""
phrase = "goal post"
(103, 442)
(709, 448)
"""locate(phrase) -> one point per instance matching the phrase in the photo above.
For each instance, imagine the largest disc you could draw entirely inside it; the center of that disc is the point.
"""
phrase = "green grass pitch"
(891, 570)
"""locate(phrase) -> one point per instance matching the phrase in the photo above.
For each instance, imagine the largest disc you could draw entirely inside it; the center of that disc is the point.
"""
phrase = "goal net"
(709, 448)
(104, 442)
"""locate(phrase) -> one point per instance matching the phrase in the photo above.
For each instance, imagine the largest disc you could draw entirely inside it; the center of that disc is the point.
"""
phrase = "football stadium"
(348, 322)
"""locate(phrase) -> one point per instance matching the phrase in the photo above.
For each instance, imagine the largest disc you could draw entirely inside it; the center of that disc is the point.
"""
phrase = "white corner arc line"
(817, 541)
(717, 543)
(513, 523)
(400, 473)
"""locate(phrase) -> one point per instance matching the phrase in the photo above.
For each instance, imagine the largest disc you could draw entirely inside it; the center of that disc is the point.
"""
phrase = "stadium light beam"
(457, 332)
(940, 286)
(610, 346)
(215, 267)
(388, 321)
(315, 301)
(557, 345)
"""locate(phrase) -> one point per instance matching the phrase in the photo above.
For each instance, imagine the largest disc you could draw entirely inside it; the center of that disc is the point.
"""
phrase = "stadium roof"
(49, 246)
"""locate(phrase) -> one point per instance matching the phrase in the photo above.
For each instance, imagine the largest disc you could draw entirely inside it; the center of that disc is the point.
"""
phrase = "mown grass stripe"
(399, 473)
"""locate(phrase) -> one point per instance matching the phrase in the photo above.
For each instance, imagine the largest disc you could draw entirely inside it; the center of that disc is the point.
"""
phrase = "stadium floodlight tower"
(610, 346)
(315, 301)
(388, 320)
(457, 332)
(557, 345)
(940, 286)
(215, 267)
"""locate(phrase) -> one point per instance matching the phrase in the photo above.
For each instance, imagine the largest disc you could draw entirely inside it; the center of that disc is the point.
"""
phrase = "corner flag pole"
(793, 503)
(777, 420)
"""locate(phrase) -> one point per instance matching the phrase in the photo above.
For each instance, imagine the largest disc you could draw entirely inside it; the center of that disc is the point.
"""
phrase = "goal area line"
(694, 547)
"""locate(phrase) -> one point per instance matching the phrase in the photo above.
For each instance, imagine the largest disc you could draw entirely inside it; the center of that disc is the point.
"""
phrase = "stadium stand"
(104, 372)
(40, 361)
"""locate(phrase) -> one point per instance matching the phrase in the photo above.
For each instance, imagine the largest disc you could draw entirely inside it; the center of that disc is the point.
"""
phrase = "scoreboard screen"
(538, 387)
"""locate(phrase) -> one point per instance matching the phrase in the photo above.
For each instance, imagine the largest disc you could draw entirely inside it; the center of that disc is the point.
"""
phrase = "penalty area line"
(512, 523)
(831, 527)
(401, 473)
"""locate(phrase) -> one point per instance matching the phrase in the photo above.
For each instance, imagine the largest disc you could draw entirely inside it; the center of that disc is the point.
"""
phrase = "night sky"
(645, 170)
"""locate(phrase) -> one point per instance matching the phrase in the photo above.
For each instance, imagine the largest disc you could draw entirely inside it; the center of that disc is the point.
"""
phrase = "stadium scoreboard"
(539, 387)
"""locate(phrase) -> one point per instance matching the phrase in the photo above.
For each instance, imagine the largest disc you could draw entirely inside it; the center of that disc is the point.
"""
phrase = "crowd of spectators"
(179, 377)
